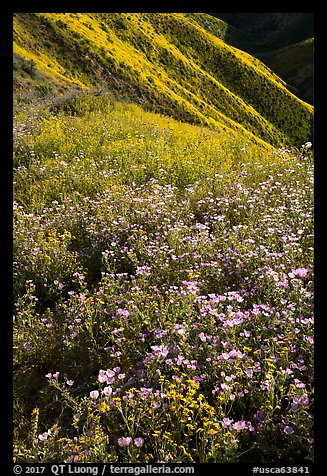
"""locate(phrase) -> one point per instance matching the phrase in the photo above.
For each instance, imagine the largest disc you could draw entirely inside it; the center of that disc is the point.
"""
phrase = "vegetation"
(169, 63)
(163, 291)
(163, 261)
(283, 41)
(295, 64)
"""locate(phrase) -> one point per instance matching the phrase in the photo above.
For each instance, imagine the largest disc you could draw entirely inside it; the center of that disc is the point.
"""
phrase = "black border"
(6, 232)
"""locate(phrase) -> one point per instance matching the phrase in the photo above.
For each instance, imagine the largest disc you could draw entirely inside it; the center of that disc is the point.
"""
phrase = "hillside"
(271, 31)
(283, 41)
(163, 278)
(295, 64)
(175, 64)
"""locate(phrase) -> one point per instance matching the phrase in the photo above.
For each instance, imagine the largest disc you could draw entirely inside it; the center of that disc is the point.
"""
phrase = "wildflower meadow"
(163, 290)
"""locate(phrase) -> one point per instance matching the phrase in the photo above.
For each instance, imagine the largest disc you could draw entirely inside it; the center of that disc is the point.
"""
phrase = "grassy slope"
(103, 188)
(294, 63)
(169, 63)
(118, 144)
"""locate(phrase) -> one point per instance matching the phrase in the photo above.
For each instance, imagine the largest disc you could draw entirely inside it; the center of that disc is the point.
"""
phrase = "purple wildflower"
(138, 442)
(94, 394)
(124, 441)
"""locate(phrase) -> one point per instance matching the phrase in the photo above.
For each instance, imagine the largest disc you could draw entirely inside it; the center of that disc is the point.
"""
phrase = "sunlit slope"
(168, 63)
(295, 63)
